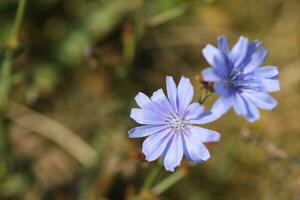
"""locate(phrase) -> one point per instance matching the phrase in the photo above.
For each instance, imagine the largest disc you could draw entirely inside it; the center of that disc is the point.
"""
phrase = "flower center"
(239, 81)
(176, 122)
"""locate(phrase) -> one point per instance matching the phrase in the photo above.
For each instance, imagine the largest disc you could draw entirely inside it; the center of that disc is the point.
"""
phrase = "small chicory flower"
(239, 78)
(169, 122)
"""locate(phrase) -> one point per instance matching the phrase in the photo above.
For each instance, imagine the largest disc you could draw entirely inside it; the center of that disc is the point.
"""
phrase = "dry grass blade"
(54, 131)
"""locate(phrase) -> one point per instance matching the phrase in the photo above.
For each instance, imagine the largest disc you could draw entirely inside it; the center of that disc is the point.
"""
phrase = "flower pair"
(170, 122)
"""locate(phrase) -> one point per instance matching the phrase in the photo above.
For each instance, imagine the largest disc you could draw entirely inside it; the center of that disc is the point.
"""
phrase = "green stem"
(5, 150)
(5, 81)
(151, 177)
(205, 94)
(18, 18)
(5, 78)
(148, 182)
(167, 16)
(168, 182)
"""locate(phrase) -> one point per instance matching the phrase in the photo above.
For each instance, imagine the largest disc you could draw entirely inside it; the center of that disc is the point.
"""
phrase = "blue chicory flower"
(170, 125)
(239, 79)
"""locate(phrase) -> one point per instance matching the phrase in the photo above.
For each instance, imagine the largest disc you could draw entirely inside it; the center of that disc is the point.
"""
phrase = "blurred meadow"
(68, 80)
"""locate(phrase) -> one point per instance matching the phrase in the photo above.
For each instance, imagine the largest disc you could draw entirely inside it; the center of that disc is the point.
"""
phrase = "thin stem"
(167, 16)
(5, 76)
(17, 23)
(148, 183)
(5, 81)
(205, 94)
(168, 182)
(5, 149)
(151, 177)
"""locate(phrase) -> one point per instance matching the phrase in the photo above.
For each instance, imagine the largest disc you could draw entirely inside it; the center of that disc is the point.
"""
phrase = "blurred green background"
(76, 66)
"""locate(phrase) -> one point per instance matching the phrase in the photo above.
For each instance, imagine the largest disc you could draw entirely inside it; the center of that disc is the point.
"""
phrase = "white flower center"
(176, 122)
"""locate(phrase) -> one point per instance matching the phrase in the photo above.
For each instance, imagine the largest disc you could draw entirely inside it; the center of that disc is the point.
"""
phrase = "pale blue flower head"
(239, 78)
(169, 122)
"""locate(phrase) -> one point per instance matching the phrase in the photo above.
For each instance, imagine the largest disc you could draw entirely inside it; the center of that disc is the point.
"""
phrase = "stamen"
(241, 82)
(176, 122)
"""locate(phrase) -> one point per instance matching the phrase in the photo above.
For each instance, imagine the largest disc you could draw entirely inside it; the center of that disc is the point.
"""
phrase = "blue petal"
(267, 71)
(204, 135)
(142, 100)
(185, 94)
(193, 111)
(155, 144)
(216, 59)
(145, 102)
(221, 88)
(222, 105)
(172, 92)
(210, 75)
(147, 130)
(239, 51)
(206, 117)
(222, 45)
(174, 152)
(239, 105)
(160, 100)
(146, 117)
(256, 60)
(262, 100)
(252, 48)
(194, 149)
(271, 85)
(252, 112)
